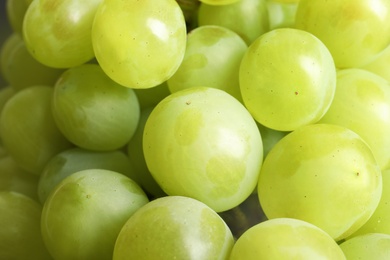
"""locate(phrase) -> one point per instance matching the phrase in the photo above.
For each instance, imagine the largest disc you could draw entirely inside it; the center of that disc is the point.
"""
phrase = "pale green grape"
(219, 2)
(374, 246)
(362, 104)
(16, 10)
(28, 130)
(58, 33)
(287, 79)
(212, 59)
(381, 64)
(13, 178)
(148, 97)
(20, 233)
(379, 222)
(137, 158)
(248, 18)
(353, 30)
(77, 159)
(203, 143)
(270, 137)
(82, 218)
(281, 13)
(323, 174)
(139, 44)
(174, 227)
(93, 111)
(22, 70)
(286, 238)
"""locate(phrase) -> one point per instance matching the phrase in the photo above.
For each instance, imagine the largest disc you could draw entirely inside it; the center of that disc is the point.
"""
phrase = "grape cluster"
(195, 129)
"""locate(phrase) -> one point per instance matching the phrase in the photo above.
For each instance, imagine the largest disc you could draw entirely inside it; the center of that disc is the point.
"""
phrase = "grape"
(82, 217)
(219, 2)
(174, 227)
(58, 33)
(381, 64)
(285, 238)
(28, 130)
(16, 10)
(379, 222)
(78, 109)
(5, 94)
(362, 104)
(248, 18)
(287, 79)
(137, 158)
(149, 97)
(353, 30)
(212, 59)
(270, 137)
(190, 12)
(13, 178)
(17, 61)
(282, 13)
(323, 174)
(374, 246)
(77, 159)
(202, 143)
(139, 44)
(20, 234)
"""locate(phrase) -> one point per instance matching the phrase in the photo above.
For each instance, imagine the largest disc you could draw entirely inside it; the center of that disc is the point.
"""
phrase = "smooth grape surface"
(373, 246)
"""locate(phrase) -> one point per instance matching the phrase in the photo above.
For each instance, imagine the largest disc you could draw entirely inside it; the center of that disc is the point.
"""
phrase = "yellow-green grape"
(285, 1)
(149, 97)
(139, 44)
(323, 174)
(83, 216)
(379, 222)
(93, 111)
(202, 143)
(77, 159)
(281, 13)
(5, 94)
(16, 10)
(354, 31)
(58, 33)
(212, 59)
(28, 130)
(219, 2)
(248, 18)
(14, 178)
(362, 104)
(285, 238)
(16, 61)
(270, 137)
(20, 233)
(287, 79)
(136, 155)
(381, 64)
(174, 227)
(6, 48)
(373, 246)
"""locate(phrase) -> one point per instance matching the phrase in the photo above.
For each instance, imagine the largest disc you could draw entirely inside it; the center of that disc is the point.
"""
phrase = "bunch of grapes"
(211, 129)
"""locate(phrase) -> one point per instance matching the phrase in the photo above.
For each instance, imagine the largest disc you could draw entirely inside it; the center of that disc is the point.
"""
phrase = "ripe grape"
(373, 246)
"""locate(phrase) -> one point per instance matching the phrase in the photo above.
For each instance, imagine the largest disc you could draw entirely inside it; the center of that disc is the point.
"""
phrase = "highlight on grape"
(195, 129)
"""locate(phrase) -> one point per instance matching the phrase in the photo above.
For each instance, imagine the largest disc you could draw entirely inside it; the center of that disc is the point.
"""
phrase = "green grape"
(362, 104)
(77, 159)
(83, 216)
(381, 64)
(149, 97)
(203, 143)
(20, 234)
(219, 2)
(285, 238)
(379, 222)
(6, 49)
(5, 94)
(93, 111)
(323, 174)
(136, 155)
(353, 30)
(139, 44)
(3, 152)
(16, 61)
(287, 79)
(13, 178)
(58, 33)
(212, 59)
(174, 227)
(28, 130)
(16, 10)
(281, 13)
(270, 137)
(374, 246)
(248, 18)
(190, 11)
